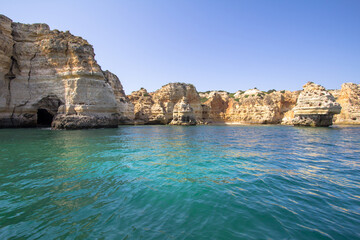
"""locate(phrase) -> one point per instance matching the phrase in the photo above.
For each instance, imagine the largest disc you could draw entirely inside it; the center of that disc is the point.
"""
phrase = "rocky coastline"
(51, 78)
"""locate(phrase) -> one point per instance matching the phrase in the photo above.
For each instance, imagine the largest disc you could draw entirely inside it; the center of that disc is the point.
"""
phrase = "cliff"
(250, 107)
(174, 103)
(142, 102)
(125, 108)
(178, 103)
(51, 78)
(315, 107)
(349, 99)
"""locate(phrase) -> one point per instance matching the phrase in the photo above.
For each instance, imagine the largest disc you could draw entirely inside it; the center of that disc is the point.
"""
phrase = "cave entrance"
(44, 118)
(47, 109)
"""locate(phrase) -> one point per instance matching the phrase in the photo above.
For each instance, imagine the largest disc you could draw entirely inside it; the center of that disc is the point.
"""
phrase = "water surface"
(169, 182)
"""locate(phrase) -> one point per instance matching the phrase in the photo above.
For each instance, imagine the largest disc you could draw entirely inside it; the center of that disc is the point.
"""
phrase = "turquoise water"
(168, 182)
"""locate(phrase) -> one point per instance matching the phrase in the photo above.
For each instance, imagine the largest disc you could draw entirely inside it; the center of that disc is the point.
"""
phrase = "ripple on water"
(169, 182)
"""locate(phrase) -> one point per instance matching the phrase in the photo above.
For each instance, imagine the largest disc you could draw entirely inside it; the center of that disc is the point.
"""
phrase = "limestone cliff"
(48, 77)
(183, 113)
(125, 108)
(210, 94)
(51, 77)
(250, 92)
(215, 107)
(256, 108)
(315, 107)
(142, 102)
(349, 99)
(175, 103)
(263, 108)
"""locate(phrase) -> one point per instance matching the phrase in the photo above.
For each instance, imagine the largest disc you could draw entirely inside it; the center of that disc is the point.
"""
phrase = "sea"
(181, 182)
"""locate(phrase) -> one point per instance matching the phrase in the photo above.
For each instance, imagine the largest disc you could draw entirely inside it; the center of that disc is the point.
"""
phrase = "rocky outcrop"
(261, 108)
(349, 99)
(250, 107)
(169, 95)
(51, 77)
(175, 103)
(210, 94)
(214, 109)
(142, 102)
(183, 113)
(251, 92)
(315, 107)
(125, 107)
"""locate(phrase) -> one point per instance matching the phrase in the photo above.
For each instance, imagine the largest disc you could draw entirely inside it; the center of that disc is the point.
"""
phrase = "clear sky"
(223, 44)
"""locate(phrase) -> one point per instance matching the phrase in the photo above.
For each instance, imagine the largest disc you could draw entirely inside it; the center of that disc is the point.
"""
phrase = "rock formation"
(51, 77)
(48, 77)
(251, 108)
(142, 102)
(349, 99)
(250, 92)
(214, 108)
(183, 113)
(175, 103)
(210, 94)
(315, 107)
(125, 108)
(262, 108)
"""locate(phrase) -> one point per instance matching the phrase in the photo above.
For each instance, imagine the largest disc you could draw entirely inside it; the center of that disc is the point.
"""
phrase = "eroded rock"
(349, 99)
(125, 107)
(175, 103)
(183, 113)
(315, 107)
(53, 71)
(142, 102)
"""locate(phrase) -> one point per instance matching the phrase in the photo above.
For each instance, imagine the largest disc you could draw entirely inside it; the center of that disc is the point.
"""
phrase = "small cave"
(47, 108)
(44, 118)
(185, 119)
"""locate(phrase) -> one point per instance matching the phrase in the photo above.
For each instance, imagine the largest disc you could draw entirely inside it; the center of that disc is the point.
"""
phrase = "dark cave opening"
(44, 118)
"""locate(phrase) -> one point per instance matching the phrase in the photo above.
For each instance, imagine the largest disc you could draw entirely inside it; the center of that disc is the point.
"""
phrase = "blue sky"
(224, 45)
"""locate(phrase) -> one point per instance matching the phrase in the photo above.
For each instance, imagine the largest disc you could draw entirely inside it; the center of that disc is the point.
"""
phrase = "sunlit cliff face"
(38, 64)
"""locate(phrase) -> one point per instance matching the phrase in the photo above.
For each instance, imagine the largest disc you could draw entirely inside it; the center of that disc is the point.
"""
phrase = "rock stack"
(183, 113)
(315, 107)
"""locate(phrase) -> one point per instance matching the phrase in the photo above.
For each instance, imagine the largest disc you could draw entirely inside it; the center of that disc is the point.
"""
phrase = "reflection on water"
(151, 182)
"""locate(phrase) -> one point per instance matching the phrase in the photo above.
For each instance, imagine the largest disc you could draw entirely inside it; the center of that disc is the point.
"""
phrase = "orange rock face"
(175, 103)
(250, 109)
(216, 108)
(349, 99)
(142, 102)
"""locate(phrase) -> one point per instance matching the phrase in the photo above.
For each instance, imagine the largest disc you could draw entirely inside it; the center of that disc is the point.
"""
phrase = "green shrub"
(203, 99)
(271, 91)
